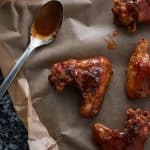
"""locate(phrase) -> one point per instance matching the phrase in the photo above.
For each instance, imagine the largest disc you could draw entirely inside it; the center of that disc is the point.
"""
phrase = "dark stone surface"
(13, 135)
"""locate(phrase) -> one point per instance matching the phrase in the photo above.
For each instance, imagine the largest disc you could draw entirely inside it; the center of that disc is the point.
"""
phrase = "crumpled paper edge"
(38, 136)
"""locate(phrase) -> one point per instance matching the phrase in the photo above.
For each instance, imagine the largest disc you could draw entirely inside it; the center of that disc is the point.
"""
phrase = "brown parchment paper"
(51, 117)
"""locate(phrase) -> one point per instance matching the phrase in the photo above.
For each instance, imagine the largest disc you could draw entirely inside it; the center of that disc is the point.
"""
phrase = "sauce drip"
(48, 19)
(111, 40)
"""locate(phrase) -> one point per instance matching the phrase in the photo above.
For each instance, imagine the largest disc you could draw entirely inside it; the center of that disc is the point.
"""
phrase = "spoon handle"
(12, 74)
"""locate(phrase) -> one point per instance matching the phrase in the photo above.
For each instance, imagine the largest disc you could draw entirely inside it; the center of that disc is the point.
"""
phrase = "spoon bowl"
(43, 31)
(48, 21)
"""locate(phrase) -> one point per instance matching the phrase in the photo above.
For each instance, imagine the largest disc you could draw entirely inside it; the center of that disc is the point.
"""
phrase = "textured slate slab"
(13, 135)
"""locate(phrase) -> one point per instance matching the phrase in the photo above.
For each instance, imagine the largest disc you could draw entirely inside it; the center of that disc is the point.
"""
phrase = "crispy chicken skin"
(131, 12)
(138, 72)
(91, 76)
(133, 136)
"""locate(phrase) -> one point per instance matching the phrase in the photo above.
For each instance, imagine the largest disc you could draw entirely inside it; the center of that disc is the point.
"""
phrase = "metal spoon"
(43, 32)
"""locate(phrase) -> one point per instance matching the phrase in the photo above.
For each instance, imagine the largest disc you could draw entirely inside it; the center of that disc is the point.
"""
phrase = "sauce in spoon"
(47, 21)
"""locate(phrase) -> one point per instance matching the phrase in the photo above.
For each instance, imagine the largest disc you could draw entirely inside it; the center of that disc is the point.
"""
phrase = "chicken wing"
(138, 72)
(133, 137)
(91, 76)
(131, 12)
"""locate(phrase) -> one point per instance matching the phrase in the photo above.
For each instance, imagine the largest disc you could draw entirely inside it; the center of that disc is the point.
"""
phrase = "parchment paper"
(51, 117)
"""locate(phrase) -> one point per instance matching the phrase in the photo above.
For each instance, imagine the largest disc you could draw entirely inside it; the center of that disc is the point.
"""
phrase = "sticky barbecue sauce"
(47, 21)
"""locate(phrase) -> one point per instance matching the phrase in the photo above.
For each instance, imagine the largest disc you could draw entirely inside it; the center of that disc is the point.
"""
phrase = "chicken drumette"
(91, 76)
(138, 73)
(133, 137)
(131, 12)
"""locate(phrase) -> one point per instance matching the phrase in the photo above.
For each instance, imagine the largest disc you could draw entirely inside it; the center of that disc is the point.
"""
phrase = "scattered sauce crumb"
(111, 40)
(115, 33)
(111, 44)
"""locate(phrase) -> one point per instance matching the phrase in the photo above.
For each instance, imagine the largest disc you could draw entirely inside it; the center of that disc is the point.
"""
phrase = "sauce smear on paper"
(111, 40)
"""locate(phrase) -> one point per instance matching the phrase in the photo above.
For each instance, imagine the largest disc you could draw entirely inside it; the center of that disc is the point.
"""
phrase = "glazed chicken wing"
(133, 137)
(138, 73)
(131, 12)
(91, 76)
